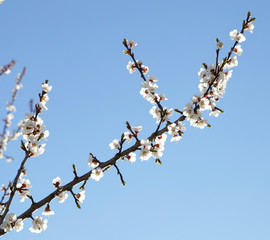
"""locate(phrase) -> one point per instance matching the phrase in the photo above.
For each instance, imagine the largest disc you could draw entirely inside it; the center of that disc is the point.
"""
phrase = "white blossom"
(173, 129)
(161, 139)
(81, 196)
(97, 174)
(137, 129)
(152, 78)
(128, 136)
(156, 113)
(131, 67)
(39, 225)
(46, 88)
(145, 142)
(24, 195)
(249, 27)
(48, 211)
(11, 217)
(114, 144)
(145, 154)
(11, 108)
(92, 162)
(131, 43)
(237, 36)
(56, 182)
(6, 226)
(238, 50)
(18, 225)
(131, 157)
(62, 197)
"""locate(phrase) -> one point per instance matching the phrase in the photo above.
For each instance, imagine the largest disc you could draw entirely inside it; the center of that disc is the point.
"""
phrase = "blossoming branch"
(212, 84)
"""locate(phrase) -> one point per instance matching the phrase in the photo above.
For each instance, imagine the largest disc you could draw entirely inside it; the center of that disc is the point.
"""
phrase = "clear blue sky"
(213, 184)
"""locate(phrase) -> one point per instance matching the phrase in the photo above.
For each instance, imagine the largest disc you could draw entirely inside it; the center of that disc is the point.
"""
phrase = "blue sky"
(213, 184)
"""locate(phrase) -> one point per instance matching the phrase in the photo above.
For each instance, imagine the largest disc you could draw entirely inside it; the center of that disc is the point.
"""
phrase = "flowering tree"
(212, 85)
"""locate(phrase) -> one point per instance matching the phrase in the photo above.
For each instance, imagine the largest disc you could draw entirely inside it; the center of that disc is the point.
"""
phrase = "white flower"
(131, 43)
(25, 184)
(18, 225)
(92, 162)
(137, 129)
(233, 62)
(215, 113)
(158, 151)
(204, 104)
(176, 138)
(56, 182)
(8, 71)
(42, 105)
(45, 87)
(203, 87)
(156, 113)
(249, 27)
(46, 134)
(62, 197)
(145, 142)
(199, 124)
(173, 129)
(10, 116)
(152, 78)
(145, 154)
(161, 139)
(97, 174)
(11, 108)
(24, 195)
(6, 226)
(238, 50)
(38, 225)
(181, 126)
(145, 93)
(80, 196)
(131, 157)
(131, 67)
(11, 217)
(48, 211)
(18, 86)
(145, 69)
(128, 136)
(237, 36)
(188, 110)
(114, 144)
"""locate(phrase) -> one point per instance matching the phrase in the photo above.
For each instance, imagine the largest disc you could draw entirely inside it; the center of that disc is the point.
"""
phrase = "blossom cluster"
(6, 192)
(153, 148)
(62, 195)
(32, 127)
(23, 188)
(6, 136)
(148, 90)
(176, 130)
(96, 172)
(213, 82)
(11, 222)
(161, 115)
